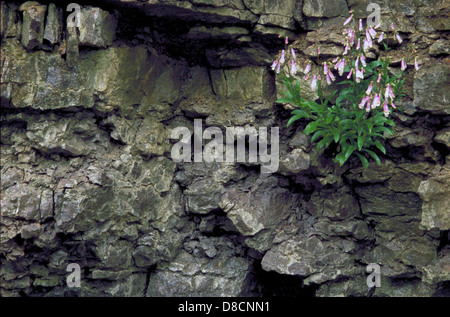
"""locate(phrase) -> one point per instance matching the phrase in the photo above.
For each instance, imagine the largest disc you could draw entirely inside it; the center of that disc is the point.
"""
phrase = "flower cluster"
(352, 64)
(283, 56)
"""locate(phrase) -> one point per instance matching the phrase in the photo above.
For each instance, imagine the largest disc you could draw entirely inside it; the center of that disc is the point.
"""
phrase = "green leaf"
(390, 122)
(345, 82)
(340, 158)
(313, 105)
(300, 112)
(374, 155)
(294, 118)
(379, 118)
(361, 140)
(336, 135)
(285, 100)
(329, 118)
(374, 64)
(324, 142)
(364, 161)
(380, 146)
(329, 97)
(350, 149)
(311, 127)
(318, 134)
(383, 129)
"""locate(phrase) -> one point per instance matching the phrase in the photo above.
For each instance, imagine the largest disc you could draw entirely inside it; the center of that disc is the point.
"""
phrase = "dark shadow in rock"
(272, 284)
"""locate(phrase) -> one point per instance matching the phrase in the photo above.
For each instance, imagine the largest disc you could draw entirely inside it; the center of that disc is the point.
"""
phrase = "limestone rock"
(435, 193)
(258, 209)
(200, 276)
(294, 162)
(443, 136)
(97, 27)
(431, 88)
(327, 9)
(33, 24)
(53, 25)
(440, 47)
(311, 258)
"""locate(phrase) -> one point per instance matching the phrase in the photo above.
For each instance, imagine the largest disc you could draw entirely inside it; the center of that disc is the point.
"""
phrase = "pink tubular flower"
(325, 68)
(416, 65)
(369, 89)
(293, 68)
(392, 105)
(341, 67)
(330, 73)
(372, 32)
(368, 105)
(286, 40)
(293, 53)
(278, 68)
(350, 73)
(376, 101)
(282, 57)
(351, 35)
(346, 49)
(392, 26)
(368, 35)
(360, 25)
(403, 67)
(399, 39)
(307, 68)
(328, 80)
(389, 93)
(378, 25)
(363, 102)
(359, 75)
(358, 46)
(348, 20)
(274, 64)
(314, 83)
(307, 77)
(365, 45)
(381, 37)
(385, 109)
(363, 60)
(379, 78)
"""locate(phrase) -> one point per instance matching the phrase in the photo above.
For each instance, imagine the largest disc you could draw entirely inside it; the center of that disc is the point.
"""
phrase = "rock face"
(88, 175)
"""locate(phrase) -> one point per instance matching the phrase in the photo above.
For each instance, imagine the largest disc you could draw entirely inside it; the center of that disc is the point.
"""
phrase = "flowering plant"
(356, 117)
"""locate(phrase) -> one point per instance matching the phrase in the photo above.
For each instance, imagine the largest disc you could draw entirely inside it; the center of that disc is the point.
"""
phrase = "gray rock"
(326, 9)
(72, 49)
(196, 277)
(53, 25)
(431, 88)
(443, 136)
(259, 209)
(336, 206)
(33, 24)
(440, 47)
(294, 162)
(97, 27)
(435, 194)
(311, 258)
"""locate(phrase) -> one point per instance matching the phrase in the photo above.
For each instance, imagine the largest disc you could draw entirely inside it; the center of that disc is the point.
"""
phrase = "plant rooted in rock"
(356, 117)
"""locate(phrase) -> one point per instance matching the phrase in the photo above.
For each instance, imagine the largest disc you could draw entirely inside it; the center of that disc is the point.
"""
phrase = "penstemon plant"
(356, 117)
